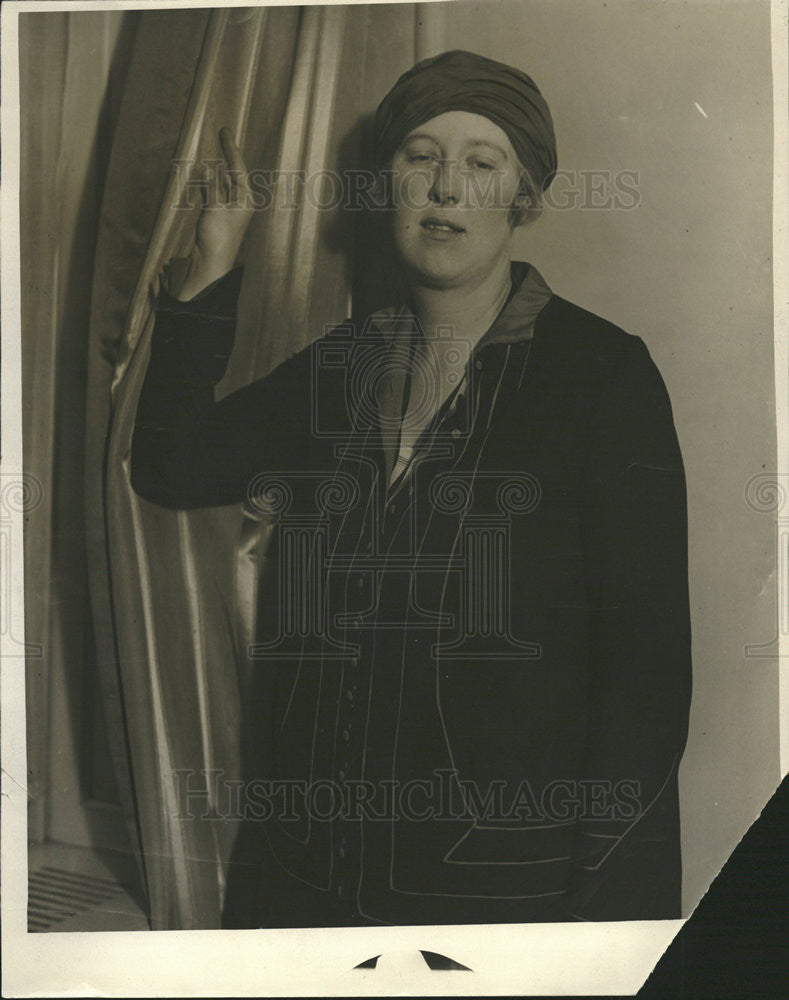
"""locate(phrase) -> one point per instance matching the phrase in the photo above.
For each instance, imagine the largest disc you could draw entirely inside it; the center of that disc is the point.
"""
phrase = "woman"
(480, 715)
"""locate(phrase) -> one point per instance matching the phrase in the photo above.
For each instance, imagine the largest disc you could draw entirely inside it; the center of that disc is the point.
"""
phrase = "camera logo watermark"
(310, 547)
(19, 494)
(342, 537)
(768, 493)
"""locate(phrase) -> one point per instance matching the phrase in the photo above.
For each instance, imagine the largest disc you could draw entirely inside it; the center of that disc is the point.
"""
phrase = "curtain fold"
(174, 592)
(70, 65)
(169, 579)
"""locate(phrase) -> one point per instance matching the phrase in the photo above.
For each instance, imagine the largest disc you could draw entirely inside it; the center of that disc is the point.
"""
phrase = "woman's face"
(455, 178)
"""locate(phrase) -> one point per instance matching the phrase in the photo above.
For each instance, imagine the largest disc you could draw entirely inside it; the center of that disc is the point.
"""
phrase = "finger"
(212, 185)
(232, 154)
(205, 184)
(223, 182)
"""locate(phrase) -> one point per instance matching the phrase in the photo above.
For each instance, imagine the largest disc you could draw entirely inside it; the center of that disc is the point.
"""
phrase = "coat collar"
(530, 293)
(398, 327)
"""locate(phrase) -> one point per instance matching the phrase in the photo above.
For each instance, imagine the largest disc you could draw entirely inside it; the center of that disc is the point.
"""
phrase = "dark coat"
(500, 642)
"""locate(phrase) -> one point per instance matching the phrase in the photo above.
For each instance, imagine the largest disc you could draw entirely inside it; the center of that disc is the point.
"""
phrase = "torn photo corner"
(394, 497)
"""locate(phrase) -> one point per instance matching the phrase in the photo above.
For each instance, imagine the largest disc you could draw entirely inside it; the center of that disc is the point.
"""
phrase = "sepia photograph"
(395, 494)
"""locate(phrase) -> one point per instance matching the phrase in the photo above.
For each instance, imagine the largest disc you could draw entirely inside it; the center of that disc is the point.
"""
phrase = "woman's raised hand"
(227, 210)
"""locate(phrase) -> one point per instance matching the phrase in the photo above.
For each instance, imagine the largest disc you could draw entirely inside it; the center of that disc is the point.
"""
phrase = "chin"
(436, 270)
(435, 278)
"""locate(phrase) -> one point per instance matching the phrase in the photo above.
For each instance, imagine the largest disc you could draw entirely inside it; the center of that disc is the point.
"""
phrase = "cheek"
(493, 222)
(411, 189)
(489, 200)
(495, 191)
(404, 223)
(405, 231)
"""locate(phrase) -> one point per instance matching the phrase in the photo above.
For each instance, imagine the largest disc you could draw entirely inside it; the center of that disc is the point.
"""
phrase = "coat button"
(349, 695)
(346, 736)
(455, 432)
(478, 365)
(341, 775)
(341, 851)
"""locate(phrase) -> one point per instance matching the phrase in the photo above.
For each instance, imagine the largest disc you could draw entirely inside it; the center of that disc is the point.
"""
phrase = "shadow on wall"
(366, 243)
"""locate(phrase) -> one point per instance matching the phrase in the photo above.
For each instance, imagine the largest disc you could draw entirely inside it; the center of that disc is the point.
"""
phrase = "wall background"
(690, 272)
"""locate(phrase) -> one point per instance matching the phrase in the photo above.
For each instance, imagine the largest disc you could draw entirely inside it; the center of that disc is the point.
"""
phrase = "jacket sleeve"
(189, 450)
(627, 855)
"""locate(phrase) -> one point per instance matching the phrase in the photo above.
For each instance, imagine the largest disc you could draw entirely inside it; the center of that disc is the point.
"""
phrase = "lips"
(435, 224)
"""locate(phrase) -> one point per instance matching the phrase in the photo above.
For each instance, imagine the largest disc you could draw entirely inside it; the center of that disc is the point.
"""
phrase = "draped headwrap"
(464, 81)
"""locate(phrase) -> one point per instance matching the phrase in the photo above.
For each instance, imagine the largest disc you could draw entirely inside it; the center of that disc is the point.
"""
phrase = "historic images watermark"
(364, 190)
(443, 796)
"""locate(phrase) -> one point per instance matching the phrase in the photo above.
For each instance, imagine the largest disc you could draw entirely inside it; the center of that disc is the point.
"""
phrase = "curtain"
(71, 67)
(174, 592)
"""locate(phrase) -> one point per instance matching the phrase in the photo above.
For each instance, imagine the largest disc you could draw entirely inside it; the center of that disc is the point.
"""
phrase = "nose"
(445, 188)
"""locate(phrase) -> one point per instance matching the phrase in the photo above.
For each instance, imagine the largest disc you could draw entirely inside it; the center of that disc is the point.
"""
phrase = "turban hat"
(464, 81)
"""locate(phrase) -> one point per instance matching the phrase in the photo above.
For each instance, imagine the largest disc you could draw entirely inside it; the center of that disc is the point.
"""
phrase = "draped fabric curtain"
(70, 68)
(174, 592)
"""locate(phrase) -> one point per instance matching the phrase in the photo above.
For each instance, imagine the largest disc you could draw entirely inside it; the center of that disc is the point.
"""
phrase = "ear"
(518, 208)
(522, 199)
